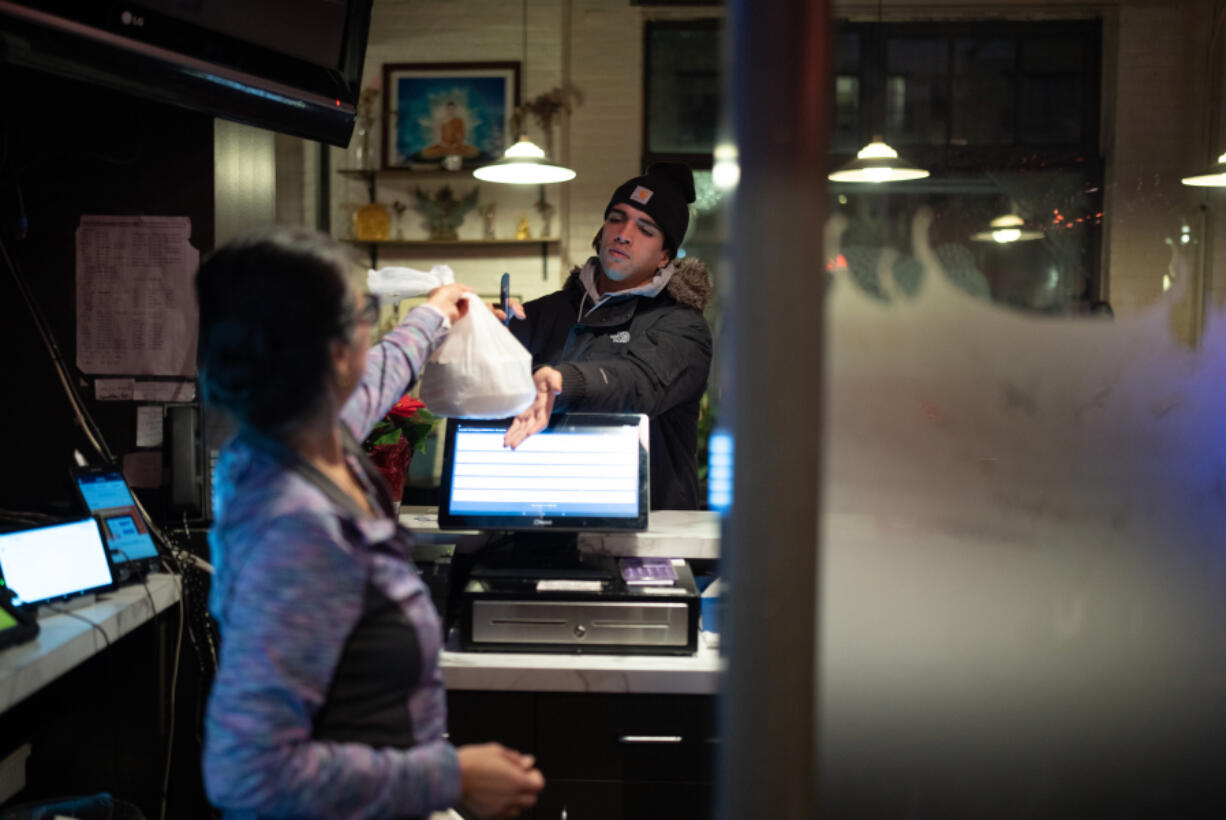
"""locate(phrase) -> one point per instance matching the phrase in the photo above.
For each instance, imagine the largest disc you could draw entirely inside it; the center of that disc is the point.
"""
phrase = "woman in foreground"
(328, 700)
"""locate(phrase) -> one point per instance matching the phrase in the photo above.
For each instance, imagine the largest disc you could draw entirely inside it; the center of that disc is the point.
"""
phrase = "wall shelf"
(431, 243)
(371, 175)
(426, 245)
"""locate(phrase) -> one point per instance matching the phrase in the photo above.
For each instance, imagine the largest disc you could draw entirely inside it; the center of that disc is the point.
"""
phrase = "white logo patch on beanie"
(641, 195)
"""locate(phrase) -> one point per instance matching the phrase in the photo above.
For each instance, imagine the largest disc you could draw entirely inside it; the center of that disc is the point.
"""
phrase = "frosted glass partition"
(1023, 602)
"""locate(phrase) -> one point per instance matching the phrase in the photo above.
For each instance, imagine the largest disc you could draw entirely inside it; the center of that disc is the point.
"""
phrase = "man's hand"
(548, 386)
(517, 309)
(496, 781)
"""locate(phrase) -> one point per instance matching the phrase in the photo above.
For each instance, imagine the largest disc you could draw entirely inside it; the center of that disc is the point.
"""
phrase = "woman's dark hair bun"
(270, 304)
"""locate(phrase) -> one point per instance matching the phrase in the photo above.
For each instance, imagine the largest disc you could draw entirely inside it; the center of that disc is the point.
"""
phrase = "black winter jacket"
(634, 354)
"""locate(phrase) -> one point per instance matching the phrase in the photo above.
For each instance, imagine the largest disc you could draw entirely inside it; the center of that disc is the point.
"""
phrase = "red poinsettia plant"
(394, 438)
(408, 420)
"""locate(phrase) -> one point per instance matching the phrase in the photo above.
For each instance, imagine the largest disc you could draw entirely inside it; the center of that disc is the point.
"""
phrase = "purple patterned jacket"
(291, 570)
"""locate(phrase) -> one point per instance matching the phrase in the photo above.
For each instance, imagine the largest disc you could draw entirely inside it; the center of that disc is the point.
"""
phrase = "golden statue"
(371, 222)
(522, 231)
(451, 135)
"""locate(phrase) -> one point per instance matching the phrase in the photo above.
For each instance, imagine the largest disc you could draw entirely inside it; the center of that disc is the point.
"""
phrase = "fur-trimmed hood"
(689, 285)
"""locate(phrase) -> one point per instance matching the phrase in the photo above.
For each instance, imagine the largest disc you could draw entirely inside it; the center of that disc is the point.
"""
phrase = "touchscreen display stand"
(108, 499)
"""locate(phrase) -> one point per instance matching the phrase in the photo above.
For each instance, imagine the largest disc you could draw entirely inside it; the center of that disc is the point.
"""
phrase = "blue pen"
(505, 294)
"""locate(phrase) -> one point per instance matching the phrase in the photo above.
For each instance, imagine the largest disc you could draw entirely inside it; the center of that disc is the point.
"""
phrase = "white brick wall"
(424, 31)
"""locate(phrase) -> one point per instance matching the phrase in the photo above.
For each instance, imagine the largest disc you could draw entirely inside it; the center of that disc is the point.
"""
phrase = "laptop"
(50, 564)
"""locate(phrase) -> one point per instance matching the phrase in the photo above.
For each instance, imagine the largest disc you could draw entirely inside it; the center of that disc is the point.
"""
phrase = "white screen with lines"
(586, 472)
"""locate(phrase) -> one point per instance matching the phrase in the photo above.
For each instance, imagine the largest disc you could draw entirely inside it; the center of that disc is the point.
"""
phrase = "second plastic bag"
(481, 371)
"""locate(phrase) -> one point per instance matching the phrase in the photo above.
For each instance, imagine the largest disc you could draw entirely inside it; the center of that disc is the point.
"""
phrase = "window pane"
(1052, 110)
(1050, 274)
(846, 135)
(846, 53)
(683, 88)
(1053, 54)
(917, 91)
(984, 108)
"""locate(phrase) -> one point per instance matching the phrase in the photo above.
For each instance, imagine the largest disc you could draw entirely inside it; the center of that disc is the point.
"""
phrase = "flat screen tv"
(293, 66)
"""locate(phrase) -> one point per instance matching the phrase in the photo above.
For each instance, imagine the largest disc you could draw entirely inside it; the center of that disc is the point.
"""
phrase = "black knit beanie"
(664, 192)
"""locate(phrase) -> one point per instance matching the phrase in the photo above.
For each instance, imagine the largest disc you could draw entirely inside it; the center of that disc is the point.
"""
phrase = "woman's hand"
(450, 300)
(497, 782)
(548, 385)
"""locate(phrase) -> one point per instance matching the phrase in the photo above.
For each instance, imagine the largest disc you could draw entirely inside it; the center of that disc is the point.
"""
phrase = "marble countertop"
(671, 534)
(64, 641)
(696, 674)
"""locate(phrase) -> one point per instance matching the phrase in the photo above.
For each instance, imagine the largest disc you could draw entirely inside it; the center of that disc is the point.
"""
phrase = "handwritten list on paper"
(136, 311)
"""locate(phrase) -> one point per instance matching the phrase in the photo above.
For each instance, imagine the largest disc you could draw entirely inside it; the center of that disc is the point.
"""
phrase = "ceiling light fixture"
(1214, 177)
(877, 162)
(524, 163)
(1006, 229)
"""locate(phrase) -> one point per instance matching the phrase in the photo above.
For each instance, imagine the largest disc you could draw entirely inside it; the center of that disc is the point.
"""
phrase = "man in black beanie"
(626, 331)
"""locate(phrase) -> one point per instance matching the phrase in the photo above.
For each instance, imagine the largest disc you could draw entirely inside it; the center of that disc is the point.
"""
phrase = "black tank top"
(379, 667)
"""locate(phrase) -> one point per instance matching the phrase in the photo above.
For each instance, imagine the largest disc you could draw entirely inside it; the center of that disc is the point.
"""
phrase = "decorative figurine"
(443, 213)
(398, 209)
(546, 211)
(487, 213)
(361, 144)
(522, 231)
(371, 222)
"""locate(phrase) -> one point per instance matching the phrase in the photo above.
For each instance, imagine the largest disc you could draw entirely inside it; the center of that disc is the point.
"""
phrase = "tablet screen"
(107, 496)
(45, 563)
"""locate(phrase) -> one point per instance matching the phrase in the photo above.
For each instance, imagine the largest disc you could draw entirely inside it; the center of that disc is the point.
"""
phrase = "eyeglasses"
(369, 311)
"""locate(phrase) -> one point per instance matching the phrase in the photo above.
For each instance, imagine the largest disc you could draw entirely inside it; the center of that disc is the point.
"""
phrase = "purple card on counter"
(646, 571)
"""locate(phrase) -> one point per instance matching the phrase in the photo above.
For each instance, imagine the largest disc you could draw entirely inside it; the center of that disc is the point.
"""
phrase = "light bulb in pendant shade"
(875, 163)
(524, 163)
(1006, 229)
(1214, 177)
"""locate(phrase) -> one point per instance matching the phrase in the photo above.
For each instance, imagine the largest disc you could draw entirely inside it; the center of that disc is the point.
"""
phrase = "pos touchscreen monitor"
(585, 471)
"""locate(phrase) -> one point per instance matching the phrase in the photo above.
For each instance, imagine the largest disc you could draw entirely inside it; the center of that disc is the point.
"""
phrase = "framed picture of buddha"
(447, 114)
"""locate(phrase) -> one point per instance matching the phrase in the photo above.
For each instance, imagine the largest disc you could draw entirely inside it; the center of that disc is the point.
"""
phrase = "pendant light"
(1214, 177)
(524, 163)
(1006, 229)
(877, 162)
